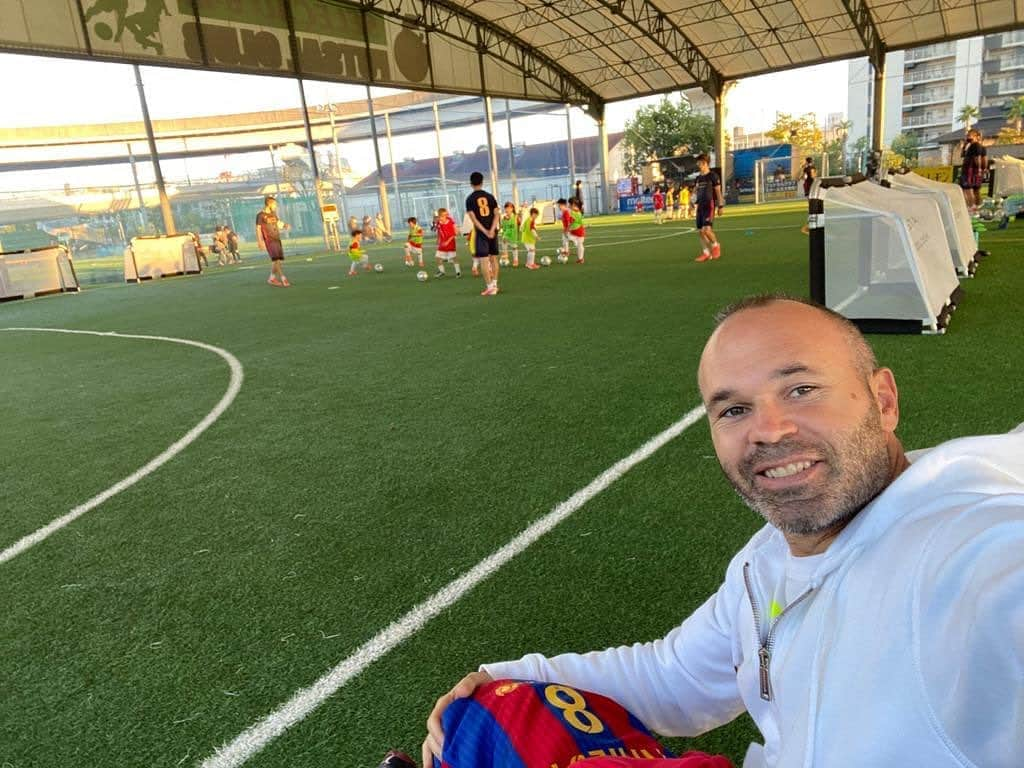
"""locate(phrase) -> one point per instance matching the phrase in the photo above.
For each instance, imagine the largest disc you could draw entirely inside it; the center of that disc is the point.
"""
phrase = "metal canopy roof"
(577, 51)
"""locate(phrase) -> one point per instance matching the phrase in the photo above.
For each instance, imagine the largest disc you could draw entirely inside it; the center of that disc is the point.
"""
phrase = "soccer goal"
(879, 257)
(956, 220)
(36, 272)
(147, 258)
(1009, 176)
(424, 207)
(780, 179)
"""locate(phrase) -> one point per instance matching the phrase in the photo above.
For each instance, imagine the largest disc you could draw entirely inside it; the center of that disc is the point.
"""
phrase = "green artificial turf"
(389, 434)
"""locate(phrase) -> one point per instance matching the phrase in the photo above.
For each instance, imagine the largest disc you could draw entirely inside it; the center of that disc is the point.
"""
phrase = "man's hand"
(435, 735)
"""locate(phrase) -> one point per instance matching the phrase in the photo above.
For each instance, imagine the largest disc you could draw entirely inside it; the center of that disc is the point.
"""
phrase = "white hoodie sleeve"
(681, 685)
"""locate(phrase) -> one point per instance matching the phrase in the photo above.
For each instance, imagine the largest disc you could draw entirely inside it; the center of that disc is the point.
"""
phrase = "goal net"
(956, 220)
(1009, 176)
(36, 272)
(147, 258)
(880, 258)
(780, 179)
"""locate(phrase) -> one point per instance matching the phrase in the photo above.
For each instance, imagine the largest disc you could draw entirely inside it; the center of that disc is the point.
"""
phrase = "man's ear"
(884, 385)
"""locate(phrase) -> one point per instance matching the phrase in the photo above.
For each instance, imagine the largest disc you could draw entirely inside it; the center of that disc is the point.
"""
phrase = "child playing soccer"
(528, 234)
(708, 191)
(510, 234)
(414, 246)
(446, 243)
(576, 229)
(356, 254)
(658, 200)
(565, 216)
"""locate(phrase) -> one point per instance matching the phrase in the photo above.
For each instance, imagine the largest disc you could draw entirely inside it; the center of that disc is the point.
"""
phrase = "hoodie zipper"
(766, 644)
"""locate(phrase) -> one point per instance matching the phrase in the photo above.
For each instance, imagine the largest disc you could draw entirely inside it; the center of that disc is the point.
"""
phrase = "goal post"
(150, 257)
(780, 179)
(37, 272)
(879, 257)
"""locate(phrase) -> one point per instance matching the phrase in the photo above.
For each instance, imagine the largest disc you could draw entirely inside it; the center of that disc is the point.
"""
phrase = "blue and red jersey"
(539, 725)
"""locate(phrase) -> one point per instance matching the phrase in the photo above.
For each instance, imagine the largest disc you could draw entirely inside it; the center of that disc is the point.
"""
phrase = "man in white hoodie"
(878, 618)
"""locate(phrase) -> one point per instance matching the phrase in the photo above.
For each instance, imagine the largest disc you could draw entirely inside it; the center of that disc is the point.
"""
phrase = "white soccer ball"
(562, 258)
(421, 276)
(378, 267)
(504, 262)
(545, 261)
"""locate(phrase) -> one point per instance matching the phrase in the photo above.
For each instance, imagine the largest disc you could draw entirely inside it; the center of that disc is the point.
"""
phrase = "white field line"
(177, 447)
(306, 700)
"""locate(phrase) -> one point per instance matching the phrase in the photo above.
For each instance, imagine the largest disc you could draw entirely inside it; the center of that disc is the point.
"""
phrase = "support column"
(313, 165)
(143, 220)
(165, 203)
(339, 175)
(878, 106)
(394, 167)
(607, 186)
(492, 152)
(572, 153)
(721, 143)
(440, 154)
(382, 190)
(511, 156)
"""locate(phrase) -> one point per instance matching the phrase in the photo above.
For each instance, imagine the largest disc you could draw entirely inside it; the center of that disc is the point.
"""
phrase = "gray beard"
(857, 472)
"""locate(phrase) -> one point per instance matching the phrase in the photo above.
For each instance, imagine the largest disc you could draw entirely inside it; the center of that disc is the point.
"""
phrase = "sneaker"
(703, 257)
(439, 273)
(716, 250)
(580, 261)
(352, 274)
(458, 274)
(285, 283)
(396, 759)
(533, 266)
(273, 281)
(515, 263)
(421, 265)
(476, 273)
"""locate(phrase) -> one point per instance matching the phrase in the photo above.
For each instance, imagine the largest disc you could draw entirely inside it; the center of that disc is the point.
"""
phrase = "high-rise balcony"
(914, 99)
(930, 52)
(1013, 87)
(929, 75)
(925, 121)
(1007, 39)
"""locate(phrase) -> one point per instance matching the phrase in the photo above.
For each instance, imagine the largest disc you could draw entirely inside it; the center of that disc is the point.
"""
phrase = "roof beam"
(647, 18)
(456, 21)
(860, 15)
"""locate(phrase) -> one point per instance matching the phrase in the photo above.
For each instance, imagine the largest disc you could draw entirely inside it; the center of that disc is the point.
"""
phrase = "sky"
(96, 92)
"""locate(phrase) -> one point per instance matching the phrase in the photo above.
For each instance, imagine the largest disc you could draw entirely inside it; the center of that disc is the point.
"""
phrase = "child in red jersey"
(659, 205)
(565, 216)
(446, 243)
(576, 229)
(357, 256)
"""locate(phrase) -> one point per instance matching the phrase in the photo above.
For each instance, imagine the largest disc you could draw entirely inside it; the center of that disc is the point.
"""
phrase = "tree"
(1012, 133)
(802, 132)
(967, 115)
(906, 147)
(663, 130)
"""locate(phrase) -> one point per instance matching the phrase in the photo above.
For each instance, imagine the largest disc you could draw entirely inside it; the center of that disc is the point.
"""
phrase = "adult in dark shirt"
(268, 237)
(973, 170)
(707, 191)
(809, 173)
(579, 193)
(482, 208)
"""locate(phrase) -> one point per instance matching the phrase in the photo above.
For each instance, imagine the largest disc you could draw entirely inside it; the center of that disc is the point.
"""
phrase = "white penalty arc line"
(306, 700)
(173, 450)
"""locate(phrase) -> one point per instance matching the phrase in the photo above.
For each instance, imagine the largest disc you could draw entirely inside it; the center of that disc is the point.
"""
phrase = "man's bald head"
(862, 356)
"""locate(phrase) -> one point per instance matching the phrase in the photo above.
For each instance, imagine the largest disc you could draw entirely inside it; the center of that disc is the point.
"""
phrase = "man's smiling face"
(800, 420)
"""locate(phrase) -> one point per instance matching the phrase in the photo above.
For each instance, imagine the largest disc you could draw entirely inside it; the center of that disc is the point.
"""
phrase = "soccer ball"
(378, 267)
(562, 258)
(421, 276)
(545, 261)
(504, 261)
